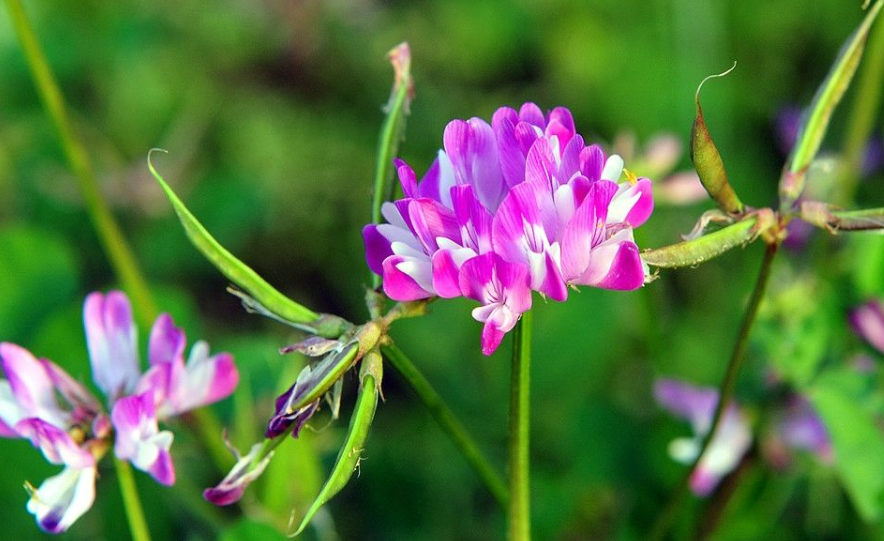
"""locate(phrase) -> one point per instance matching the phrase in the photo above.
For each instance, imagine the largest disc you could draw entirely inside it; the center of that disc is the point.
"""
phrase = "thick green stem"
(519, 516)
(726, 391)
(131, 502)
(448, 422)
(109, 234)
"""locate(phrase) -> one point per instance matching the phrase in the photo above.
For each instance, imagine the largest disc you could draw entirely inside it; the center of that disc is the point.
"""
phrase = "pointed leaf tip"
(815, 121)
(235, 270)
(707, 160)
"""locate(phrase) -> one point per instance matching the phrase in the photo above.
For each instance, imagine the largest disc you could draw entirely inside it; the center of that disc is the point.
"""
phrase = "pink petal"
(32, 390)
(472, 147)
(377, 248)
(399, 285)
(166, 341)
(56, 444)
(445, 275)
(430, 220)
(139, 440)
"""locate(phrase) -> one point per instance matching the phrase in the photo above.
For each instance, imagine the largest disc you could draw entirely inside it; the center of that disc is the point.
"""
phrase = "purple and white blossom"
(527, 189)
(731, 441)
(41, 402)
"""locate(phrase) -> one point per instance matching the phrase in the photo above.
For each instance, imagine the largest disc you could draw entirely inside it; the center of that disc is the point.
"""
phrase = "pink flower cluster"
(41, 402)
(519, 205)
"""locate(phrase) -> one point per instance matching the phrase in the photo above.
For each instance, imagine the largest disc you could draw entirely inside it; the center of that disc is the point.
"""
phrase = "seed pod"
(693, 252)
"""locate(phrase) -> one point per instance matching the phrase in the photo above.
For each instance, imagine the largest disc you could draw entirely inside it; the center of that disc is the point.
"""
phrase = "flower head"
(41, 402)
(526, 188)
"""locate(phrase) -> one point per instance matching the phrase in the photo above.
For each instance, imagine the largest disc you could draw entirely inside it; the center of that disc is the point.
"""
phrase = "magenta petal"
(626, 271)
(540, 166)
(111, 336)
(445, 275)
(525, 222)
(407, 178)
(56, 444)
(474, 220)
(642, 208)
(553, 286)
(703, 481)
(867, 321)
(472, 147)
(377, 248)
(512, 155)
(399, 285)
(561, 124)
(492, 336)
(138, 438)
(592, 162)
(166, 341)
(32, 391)
(430, 220)
(529, 112)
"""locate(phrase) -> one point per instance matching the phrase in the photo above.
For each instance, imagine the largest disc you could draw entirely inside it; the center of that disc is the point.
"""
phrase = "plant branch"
(131, 502)
(448, 422)
(726, 390)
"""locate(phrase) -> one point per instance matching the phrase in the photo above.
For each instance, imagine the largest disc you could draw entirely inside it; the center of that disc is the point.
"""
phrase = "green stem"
(109, 234)
(519, 516)
(131, 502)
(726, 391)
(861, 119)
(447, 421)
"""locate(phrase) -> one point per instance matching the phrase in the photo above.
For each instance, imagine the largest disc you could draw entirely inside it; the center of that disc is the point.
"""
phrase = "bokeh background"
(271, 110)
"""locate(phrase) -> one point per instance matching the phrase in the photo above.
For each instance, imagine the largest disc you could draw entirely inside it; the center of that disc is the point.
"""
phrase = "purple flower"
(732, 438)
(527, 189)
(43, 403)
(801, 428)
(868, 322)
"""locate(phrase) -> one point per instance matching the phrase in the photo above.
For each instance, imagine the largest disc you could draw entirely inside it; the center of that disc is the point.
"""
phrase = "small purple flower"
(247, 469)
(41, 402)
(732, 438)
(868, 322)
(801, 428)
(527, 189)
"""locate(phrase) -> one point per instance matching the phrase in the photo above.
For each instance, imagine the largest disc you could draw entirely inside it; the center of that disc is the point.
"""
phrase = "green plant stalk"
(109, 234)
(131, 502)
(861, 119)
(725, 393)
(519, 515)
(443, 415)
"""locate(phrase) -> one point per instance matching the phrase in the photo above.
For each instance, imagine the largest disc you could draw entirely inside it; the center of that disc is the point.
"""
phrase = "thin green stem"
(109, 234)
(448, 422)
(726, 391)
(519, 516)
(131, 502)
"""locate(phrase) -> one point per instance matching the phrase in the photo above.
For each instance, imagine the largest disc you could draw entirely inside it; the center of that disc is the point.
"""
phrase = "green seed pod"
(708, 162)
(693, 252)
(351, 452)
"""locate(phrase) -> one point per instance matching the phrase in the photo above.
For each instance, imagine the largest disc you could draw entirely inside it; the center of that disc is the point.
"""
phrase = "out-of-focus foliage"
(270, 112)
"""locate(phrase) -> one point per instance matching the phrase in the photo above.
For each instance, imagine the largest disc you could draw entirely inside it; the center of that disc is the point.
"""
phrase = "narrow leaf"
(693, 252)
(708, 162)
(816, 120)
(351, 452)
(235, 270)
(857, 444)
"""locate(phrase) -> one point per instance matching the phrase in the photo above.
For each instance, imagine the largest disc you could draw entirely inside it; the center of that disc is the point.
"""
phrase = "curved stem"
(519, 516)
(131, 502)
(109, 234)
(448, 422)
(726, 391)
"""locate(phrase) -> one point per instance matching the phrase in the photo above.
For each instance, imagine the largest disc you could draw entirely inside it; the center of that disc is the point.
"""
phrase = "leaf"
(235, 270)
(351, 452)
(856, 441)
(816, 120)
(251, 530)
(693, 252)
(708, 162)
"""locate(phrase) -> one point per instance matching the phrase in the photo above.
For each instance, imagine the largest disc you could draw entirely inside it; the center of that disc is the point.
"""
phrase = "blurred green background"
(270, 112)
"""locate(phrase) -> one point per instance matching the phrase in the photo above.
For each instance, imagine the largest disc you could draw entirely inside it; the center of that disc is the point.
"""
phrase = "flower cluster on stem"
(517, 205)
(41, 402)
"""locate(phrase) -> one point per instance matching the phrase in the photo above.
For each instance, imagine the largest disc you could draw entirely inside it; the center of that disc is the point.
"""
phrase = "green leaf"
(856, 441)
(693, 252)
(251, 530)
(708, 162)
(351, 452)
(816, 121)
(235, 270)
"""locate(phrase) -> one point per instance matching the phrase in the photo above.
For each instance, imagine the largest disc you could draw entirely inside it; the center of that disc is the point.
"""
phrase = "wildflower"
(527, 189)
(731, 441)
(868, 322)
(43, 403)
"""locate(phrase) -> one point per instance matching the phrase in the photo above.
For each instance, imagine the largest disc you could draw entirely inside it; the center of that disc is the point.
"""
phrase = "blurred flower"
(526, 189)
(868, 322)
(247, 469)
(799, 428)
(41, 402)
(732, 438)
